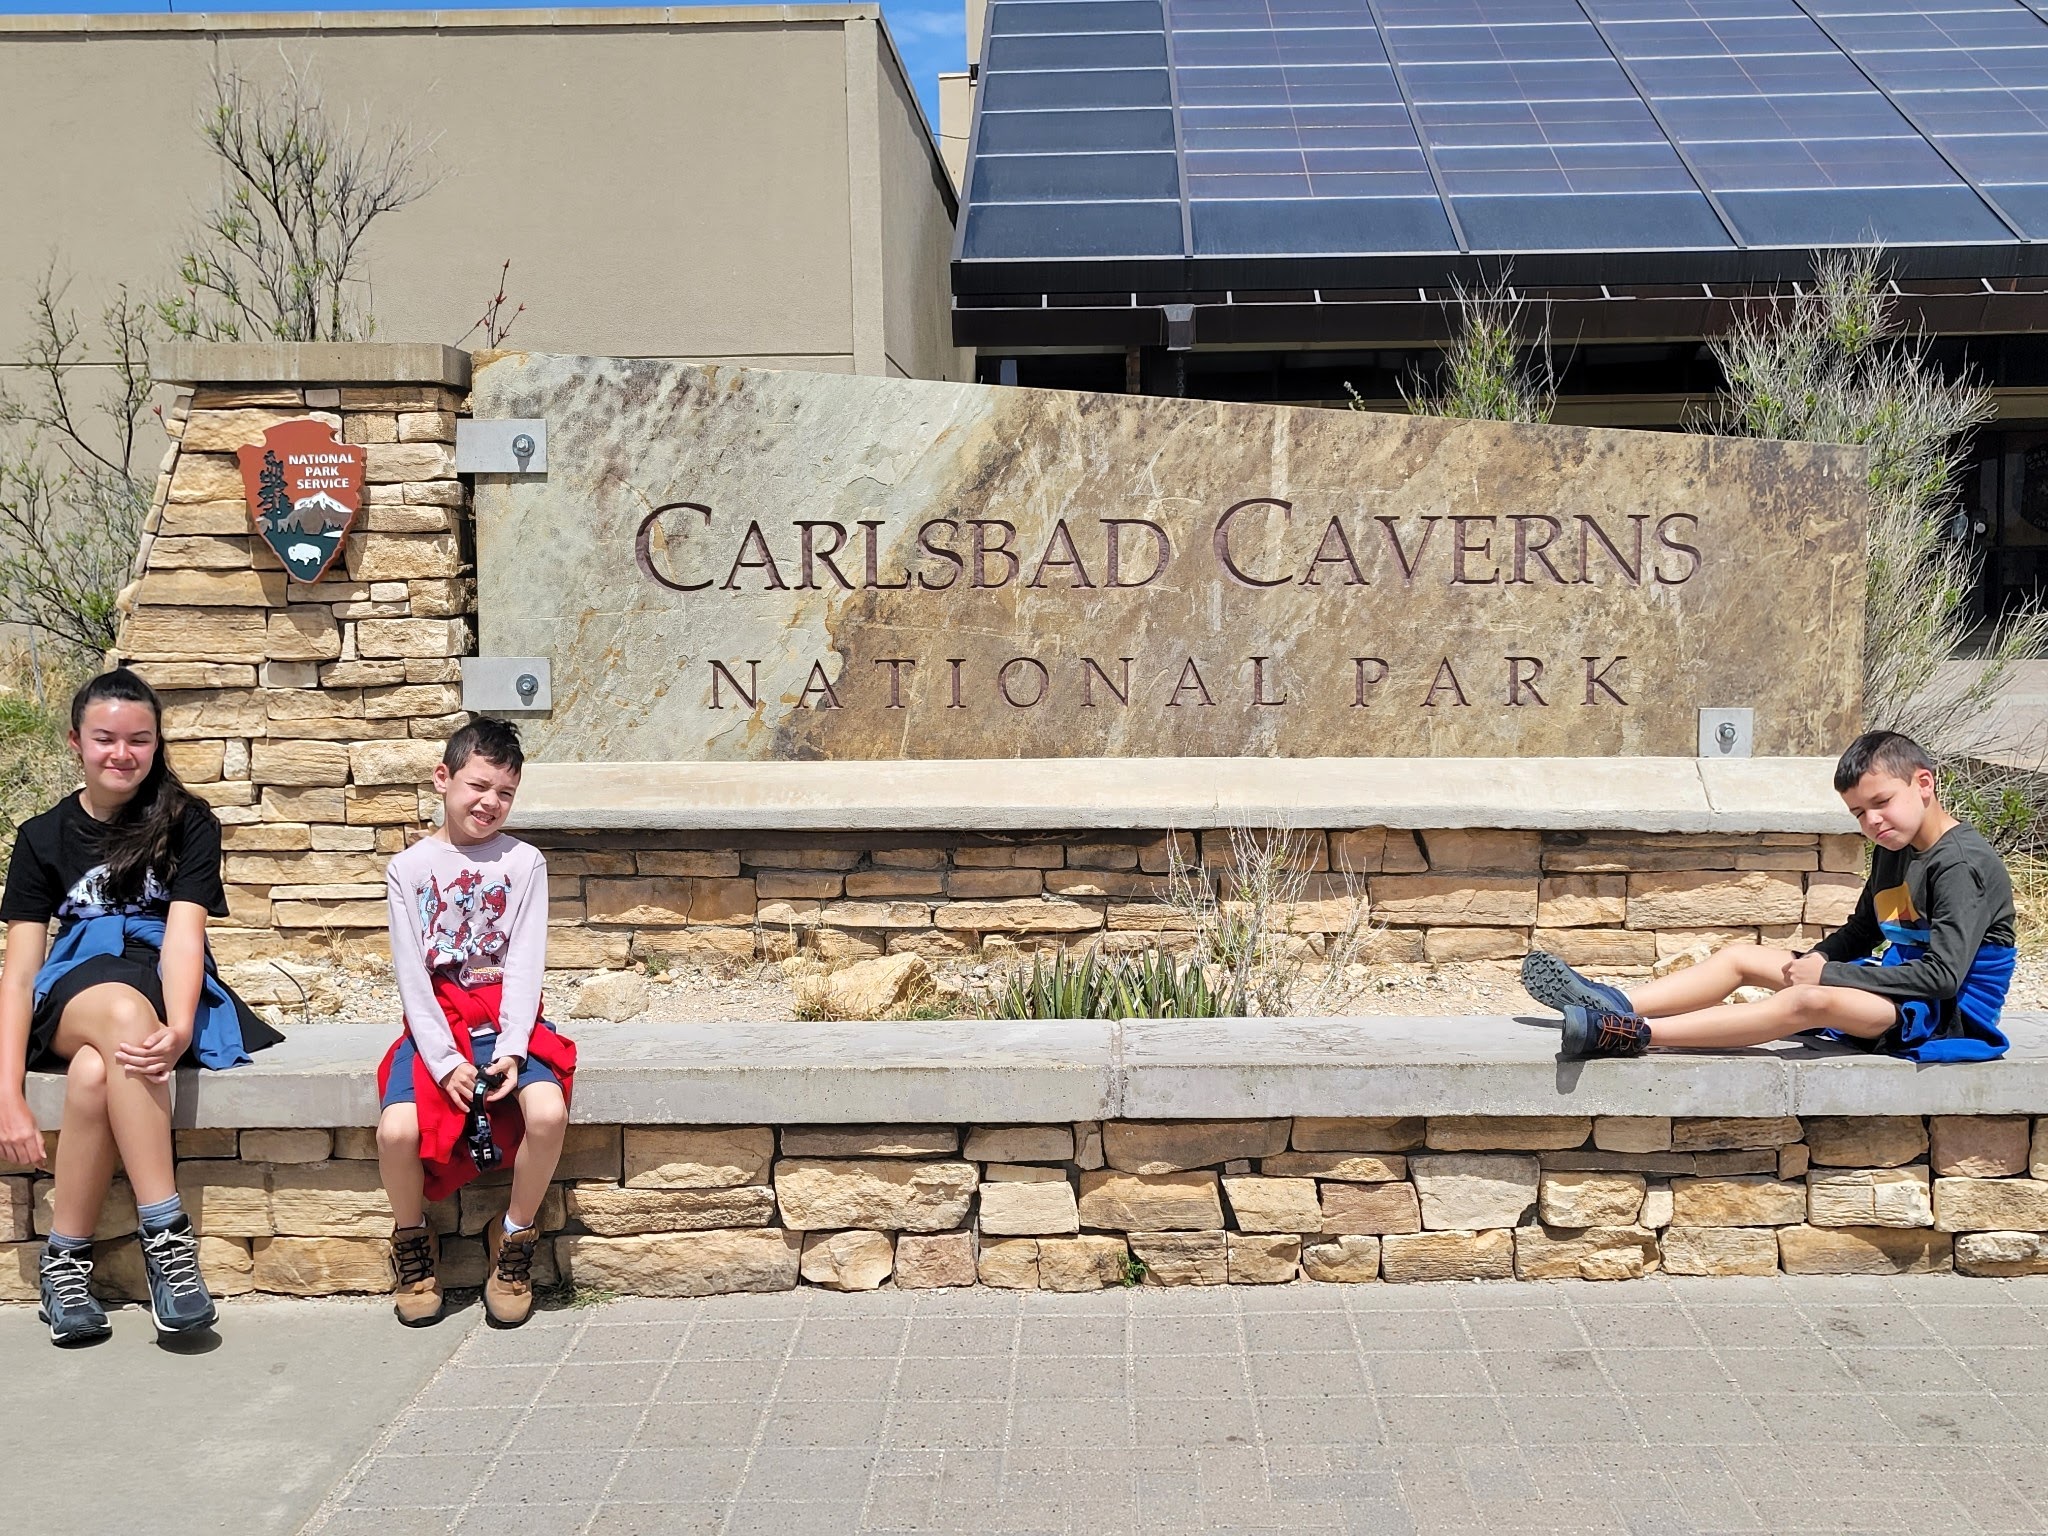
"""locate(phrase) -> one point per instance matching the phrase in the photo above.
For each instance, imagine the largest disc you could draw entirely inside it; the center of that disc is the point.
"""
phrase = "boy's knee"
(543, 1109)
(1808, 1001)
(398, 1129)
(1755, 960)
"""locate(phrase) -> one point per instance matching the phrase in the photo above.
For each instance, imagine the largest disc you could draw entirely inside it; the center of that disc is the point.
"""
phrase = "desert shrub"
(1835, 364)
(1242, 957)
(280, 253)
(73, 489)
(1243, 925)
(1497, 366)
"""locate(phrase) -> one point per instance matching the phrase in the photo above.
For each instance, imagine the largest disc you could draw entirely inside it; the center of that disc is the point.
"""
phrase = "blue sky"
(931, 34)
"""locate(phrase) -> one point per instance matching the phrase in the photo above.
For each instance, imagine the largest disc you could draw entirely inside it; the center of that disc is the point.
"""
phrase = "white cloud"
(928, 26)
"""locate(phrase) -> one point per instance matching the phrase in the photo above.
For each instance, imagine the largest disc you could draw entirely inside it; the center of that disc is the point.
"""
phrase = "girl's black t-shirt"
(58, 871)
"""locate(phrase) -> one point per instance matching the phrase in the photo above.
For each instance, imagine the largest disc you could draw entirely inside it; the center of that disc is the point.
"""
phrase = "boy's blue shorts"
(483, 1049)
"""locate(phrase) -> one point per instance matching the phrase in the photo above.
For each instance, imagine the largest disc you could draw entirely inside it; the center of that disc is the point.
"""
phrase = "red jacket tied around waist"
(442, 1149)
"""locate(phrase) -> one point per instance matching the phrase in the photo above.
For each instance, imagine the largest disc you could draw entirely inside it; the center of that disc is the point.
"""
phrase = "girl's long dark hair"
(137, 842)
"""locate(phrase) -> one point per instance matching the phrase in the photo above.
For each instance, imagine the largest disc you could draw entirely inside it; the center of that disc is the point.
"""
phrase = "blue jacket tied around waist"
(216, 1026)
(1967, 1029)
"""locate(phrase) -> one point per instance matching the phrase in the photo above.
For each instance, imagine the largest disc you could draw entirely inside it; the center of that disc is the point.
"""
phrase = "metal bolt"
(527, 686)
(1724, 733)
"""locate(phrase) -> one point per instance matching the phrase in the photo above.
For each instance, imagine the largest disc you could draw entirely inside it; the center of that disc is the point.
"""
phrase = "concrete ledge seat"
(1018, 1073)
(1646, 794)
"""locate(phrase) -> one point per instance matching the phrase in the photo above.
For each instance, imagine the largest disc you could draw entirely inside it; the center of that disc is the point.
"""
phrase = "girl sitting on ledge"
(129, 867)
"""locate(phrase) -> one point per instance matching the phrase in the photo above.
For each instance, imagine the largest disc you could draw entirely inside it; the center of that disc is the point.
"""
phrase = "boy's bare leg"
(398, 1163)
(1710, 982)
(85, 1151)
(1848, 1009)
(546, 1114)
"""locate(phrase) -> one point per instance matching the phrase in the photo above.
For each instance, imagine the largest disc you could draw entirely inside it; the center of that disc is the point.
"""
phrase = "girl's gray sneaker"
(68, 1305)
(1557, 986)
(178, 1298)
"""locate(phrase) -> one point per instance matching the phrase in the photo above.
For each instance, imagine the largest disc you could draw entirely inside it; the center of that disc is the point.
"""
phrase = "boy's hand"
(507, 1070)
(1804, 971)
(156, 1054)
(460, 1084)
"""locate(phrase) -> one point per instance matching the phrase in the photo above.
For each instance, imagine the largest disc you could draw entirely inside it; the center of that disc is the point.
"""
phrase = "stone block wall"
(308, 715)
(1615, 901)
(689, 1211)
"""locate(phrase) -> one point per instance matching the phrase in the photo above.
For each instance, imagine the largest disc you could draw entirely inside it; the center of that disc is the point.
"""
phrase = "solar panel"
(1217, 129)
(1973, 77)
(1793, 140)
(1576, 163)
(1295, 138)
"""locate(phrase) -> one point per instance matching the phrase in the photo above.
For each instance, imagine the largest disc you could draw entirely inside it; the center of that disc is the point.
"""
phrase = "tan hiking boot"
(414, 1254)
(508, 1288)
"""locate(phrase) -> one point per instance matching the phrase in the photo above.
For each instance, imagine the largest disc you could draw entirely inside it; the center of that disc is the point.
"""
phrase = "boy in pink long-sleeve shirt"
(469, 911)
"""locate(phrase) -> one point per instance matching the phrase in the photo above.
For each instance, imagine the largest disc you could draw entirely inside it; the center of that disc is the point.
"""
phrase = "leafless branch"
(279, 253)
(71, 497)
(494, 322)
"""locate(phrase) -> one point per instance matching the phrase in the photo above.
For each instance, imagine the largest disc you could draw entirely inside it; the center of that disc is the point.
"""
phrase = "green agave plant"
(1151, 985)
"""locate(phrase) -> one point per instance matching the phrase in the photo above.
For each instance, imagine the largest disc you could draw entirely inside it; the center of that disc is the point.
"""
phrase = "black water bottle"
(477, 1131)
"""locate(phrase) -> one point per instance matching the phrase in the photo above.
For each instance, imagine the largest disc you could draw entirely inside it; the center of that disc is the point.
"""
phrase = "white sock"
(509, 1227)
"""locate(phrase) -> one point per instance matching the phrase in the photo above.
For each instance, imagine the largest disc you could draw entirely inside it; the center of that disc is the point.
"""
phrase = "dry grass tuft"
(2029, 873)
(36, 766)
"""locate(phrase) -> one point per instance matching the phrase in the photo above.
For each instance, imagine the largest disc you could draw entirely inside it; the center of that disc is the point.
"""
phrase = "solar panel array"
(1120, 129)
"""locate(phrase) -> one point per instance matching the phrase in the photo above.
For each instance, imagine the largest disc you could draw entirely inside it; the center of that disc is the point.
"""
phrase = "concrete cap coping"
(536, 20)
(995, 1073)
(309, 362)
(1552, 794)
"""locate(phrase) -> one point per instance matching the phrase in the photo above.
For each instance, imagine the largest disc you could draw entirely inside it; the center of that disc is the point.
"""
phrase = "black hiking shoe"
(1556, 985)
(178, 1298)
(1592, 1032)
(68, 1305)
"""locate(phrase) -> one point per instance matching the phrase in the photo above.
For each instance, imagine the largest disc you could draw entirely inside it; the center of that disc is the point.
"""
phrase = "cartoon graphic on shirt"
(462, 927)
(88, 898)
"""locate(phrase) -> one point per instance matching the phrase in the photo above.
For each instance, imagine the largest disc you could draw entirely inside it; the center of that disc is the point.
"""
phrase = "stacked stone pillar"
(308, 714)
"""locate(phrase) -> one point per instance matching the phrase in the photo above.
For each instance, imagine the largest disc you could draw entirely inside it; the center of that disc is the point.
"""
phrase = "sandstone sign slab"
(735, 564)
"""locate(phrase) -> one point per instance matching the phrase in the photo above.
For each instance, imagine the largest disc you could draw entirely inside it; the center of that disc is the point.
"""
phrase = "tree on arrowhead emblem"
(273, 497)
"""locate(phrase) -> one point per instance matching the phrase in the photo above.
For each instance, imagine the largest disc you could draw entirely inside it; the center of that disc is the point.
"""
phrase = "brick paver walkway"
(1652, 1407)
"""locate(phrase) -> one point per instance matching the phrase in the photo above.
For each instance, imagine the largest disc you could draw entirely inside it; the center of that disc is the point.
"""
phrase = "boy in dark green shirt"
(1938, 898)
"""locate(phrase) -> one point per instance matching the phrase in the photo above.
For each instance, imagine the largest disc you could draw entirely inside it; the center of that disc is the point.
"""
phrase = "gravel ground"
(767, 993)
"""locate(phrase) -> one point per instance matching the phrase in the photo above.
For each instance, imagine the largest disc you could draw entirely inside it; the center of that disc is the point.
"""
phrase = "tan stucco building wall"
(753, 184)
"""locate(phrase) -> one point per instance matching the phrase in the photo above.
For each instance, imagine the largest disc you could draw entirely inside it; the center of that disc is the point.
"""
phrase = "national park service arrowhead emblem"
(304, 490)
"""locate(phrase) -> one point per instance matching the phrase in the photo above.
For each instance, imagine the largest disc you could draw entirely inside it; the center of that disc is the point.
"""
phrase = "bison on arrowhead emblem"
(305, 489)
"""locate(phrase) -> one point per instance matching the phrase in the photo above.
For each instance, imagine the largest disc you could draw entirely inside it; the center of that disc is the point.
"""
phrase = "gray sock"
(160, 1214)
(59, 1243)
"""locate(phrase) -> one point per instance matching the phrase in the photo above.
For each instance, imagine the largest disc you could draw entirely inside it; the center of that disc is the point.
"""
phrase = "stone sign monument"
(727, 563)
